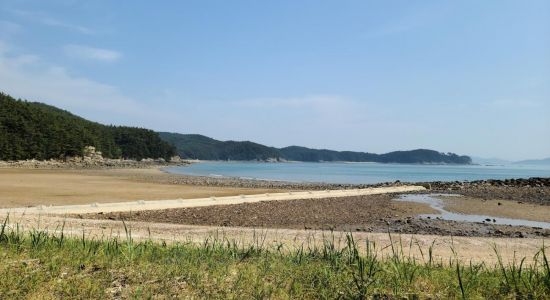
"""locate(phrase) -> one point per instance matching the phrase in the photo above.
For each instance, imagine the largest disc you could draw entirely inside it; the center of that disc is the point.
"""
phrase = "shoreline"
(234, 178)
(241, 181)
(361, 214)
(533, 190)
(325, 162)
(85, 164)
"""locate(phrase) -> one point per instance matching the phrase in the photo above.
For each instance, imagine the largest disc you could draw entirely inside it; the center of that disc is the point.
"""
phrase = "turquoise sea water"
(358, 173)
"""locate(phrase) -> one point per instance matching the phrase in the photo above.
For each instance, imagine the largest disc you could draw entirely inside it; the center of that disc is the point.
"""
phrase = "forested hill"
(34, 130)
(196, 146)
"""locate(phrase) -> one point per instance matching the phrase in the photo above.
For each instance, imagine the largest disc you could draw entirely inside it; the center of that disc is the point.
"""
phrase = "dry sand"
(27, 187)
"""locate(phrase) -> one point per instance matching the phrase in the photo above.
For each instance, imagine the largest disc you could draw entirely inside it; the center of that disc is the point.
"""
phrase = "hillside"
(30, 130)
(196, 146)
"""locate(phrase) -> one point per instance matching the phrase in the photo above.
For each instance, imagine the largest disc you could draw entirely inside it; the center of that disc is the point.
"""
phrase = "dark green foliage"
(418, 156)
(197, 146)
(201, 147)
(306, 154)
(141, 143)
(424, 156)
(35, 130)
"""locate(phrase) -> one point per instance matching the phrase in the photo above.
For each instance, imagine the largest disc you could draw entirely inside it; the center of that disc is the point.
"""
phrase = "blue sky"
(471, 77)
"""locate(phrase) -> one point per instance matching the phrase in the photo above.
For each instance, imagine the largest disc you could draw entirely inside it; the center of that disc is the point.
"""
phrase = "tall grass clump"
(53, 264)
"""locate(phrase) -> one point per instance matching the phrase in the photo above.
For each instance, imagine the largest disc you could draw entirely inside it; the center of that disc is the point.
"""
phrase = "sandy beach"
(293, 217)
(31, 187)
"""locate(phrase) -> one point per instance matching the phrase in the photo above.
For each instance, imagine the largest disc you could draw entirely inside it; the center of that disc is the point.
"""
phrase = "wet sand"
(498, 208)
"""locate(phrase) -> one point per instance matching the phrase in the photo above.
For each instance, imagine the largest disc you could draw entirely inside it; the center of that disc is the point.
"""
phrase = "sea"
(358, 173)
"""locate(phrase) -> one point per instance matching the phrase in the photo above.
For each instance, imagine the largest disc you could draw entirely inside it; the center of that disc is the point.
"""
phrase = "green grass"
(44, 265)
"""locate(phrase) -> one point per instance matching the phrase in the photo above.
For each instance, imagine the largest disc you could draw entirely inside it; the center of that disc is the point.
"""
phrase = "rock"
(90, 153)
(175, 159)
(520, 234)
(90, 159)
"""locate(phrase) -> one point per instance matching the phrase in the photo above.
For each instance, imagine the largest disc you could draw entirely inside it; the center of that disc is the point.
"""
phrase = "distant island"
(33, 130)
(502, 162)
(544, 161)
(195, 146)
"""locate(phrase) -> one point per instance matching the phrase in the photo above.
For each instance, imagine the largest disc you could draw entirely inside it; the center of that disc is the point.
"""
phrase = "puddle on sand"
(439, 205)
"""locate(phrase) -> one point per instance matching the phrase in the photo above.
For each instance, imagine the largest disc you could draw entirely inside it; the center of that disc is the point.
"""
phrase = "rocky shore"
(85, 164)
(453, 228)
(91, 159)
(449, 186)
(264, 184)
(460, 185)
(374, 213)
(533, 190)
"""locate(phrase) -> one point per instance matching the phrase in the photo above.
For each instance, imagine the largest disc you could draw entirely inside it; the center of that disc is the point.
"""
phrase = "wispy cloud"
(46, 19)
(29, 76)
(319, 109)
(92, 53)
(314, 120)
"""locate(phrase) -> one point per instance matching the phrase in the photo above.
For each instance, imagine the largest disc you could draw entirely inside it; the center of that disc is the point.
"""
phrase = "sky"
(470, 77)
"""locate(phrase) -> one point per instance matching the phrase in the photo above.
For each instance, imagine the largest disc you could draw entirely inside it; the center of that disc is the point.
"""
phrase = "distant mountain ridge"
(544, 161)
(489, 161)
(195, 146)
(498, 161)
